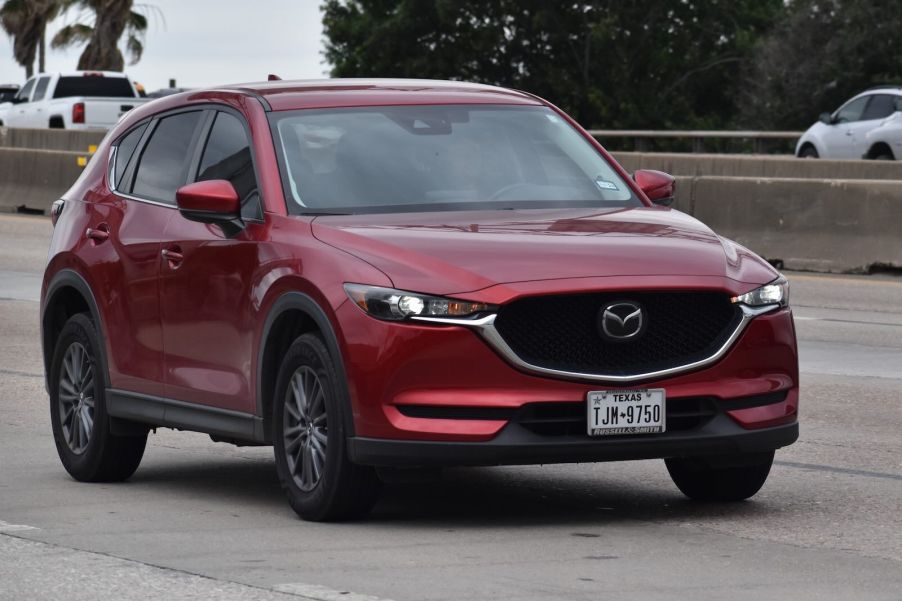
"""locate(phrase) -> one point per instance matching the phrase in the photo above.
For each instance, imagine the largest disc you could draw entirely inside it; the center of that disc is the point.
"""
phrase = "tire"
(89, 451)
(310, 438)
(730, 479)
(885, 155)
(809, 152)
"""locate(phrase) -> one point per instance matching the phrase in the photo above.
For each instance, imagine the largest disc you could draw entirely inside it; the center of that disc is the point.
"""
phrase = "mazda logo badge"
(621, 321)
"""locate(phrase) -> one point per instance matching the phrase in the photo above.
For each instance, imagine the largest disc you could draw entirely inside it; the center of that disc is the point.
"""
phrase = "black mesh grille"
(562, 333)
(569, 419)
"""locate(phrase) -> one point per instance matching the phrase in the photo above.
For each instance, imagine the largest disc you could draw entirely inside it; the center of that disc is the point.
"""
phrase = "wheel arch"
(807, 144)
(292, 314)
(878, 148)
(67, 294)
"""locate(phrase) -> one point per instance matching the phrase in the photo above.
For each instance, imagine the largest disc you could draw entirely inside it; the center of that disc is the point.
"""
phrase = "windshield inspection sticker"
(605, 184)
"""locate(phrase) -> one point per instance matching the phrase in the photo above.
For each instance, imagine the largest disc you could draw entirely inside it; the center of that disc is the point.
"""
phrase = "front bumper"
(517, 446)
(399, 372)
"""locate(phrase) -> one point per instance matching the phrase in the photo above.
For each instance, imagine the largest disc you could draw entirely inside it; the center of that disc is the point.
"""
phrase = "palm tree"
(112, 18)
(26, 21)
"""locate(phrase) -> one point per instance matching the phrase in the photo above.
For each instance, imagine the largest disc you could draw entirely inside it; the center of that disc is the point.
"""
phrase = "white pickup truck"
(78, 100)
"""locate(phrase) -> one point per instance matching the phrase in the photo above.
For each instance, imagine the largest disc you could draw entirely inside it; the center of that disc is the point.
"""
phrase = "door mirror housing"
(826, 118)
(657, 186)
(213, 201)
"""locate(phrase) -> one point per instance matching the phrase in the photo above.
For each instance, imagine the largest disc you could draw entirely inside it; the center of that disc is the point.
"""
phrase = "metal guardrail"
(642, 138)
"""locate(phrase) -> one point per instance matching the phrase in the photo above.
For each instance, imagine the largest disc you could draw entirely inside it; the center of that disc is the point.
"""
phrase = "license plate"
(613, 412)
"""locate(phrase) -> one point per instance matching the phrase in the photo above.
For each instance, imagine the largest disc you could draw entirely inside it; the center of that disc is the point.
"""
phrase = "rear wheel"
(89, 451)
(310, 438)
(725, 479)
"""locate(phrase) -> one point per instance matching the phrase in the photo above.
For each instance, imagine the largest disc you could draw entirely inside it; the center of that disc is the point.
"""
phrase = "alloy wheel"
(76, 397)
(305, 431)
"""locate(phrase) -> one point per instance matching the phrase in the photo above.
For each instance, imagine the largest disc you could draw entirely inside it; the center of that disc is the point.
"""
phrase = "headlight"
(396, 305)
(775, 293)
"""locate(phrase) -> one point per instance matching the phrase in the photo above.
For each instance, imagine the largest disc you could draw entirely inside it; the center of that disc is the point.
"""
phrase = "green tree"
(26, 22)
(649, 63)
(821, 53)
(112, 19)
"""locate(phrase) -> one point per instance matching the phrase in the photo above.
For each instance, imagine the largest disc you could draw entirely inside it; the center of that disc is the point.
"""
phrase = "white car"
(869, 126)
(78, 100)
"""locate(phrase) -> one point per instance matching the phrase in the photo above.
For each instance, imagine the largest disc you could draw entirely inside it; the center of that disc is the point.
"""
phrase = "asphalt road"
(204, 520)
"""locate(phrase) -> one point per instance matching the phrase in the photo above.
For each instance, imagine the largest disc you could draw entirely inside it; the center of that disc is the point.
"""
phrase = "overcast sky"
(208, 42)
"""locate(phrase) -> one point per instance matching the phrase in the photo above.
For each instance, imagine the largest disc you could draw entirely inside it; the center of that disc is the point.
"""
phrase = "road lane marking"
(838, 470)
(147, 576)
(24, 374)
(6, 527)
(322, 593)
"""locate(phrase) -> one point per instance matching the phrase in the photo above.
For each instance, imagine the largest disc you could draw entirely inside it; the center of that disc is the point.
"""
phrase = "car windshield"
(439, 158)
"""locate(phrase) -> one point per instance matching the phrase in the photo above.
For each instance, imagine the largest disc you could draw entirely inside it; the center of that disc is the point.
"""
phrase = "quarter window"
(124, 151)
(228, 156)
(163, 166)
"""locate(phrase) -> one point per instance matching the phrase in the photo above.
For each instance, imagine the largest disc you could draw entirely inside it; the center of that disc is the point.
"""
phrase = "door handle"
(99, 234)
(173, 256)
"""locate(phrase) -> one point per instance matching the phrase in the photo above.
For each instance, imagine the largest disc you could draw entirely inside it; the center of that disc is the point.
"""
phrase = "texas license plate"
(626, 412)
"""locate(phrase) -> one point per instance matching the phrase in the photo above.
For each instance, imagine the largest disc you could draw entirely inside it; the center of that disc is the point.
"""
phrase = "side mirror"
(826, 118)
(657, 186)
(212, 201)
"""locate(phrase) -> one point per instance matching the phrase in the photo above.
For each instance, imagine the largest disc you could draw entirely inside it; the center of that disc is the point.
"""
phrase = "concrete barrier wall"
(774, 166)
(809, 223)
(33, 179)
(826, 226)
(49, 139)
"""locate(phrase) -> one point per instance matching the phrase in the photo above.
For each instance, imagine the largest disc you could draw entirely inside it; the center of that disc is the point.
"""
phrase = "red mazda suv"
(372, 275)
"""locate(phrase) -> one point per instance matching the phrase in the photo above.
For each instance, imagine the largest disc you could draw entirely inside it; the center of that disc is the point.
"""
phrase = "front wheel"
(724, 480)
(89, 451)
(809, 152)
(310, 438)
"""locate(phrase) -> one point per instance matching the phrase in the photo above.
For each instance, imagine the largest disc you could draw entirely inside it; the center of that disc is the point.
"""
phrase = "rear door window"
(880, 107)
(163, 166)
(227, 156)
(40, 89)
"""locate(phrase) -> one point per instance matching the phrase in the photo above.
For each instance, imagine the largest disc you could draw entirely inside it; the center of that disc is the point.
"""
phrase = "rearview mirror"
(657, 186)
(212, 201)
(826, 118)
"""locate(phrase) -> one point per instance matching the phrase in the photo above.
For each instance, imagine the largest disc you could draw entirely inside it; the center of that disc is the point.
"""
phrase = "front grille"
(569, 419)
(561, 332)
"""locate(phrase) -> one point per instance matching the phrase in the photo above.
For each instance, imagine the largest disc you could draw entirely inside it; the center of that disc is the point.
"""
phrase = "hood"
(458, 252)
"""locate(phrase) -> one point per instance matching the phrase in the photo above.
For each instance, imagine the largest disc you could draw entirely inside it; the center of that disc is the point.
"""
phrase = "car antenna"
(273, 77)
